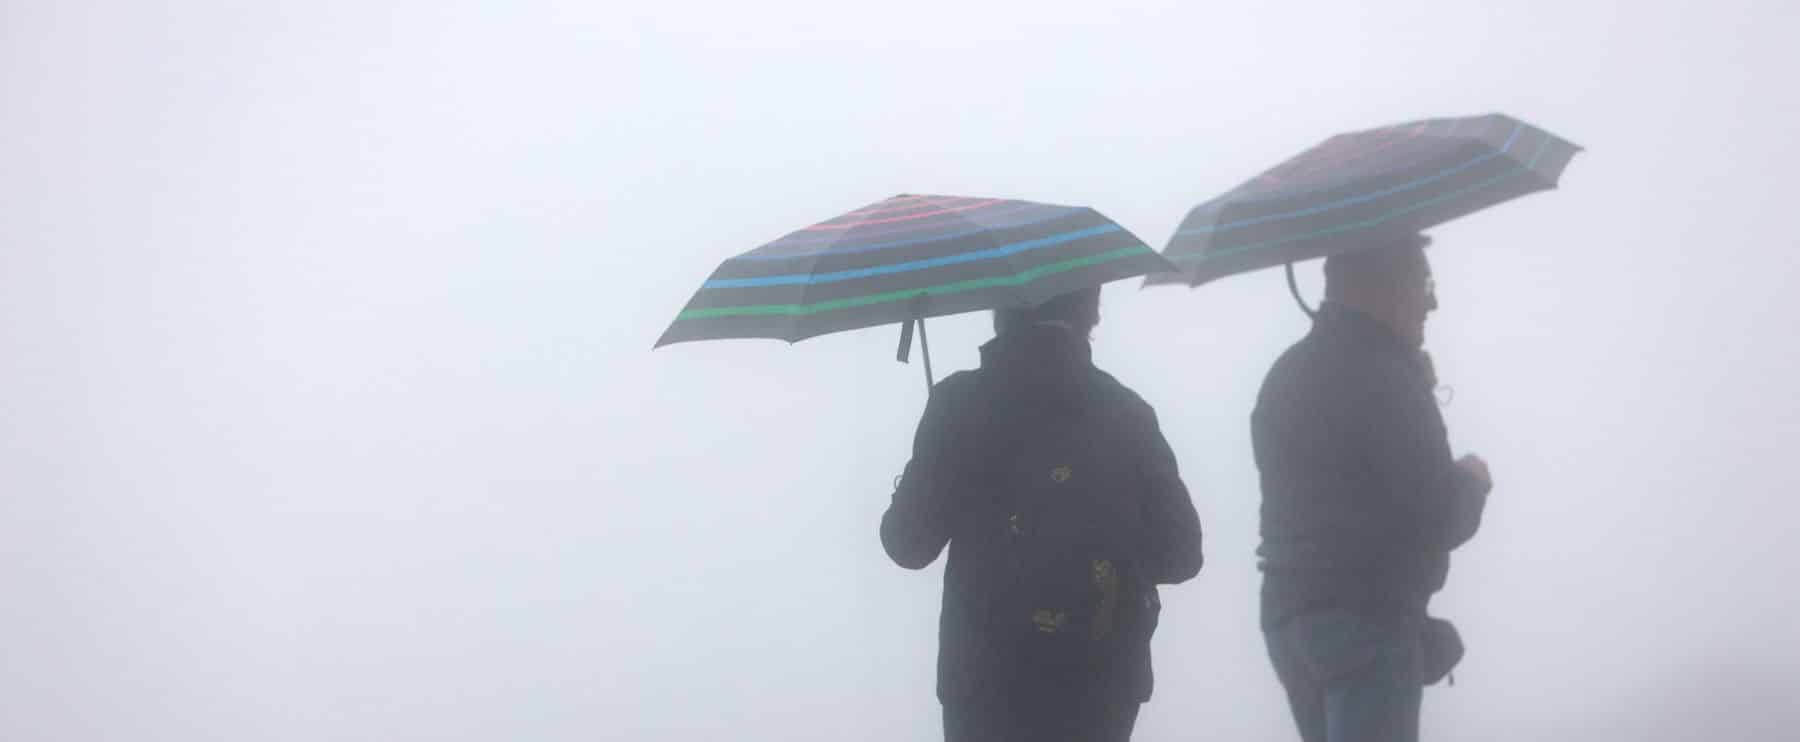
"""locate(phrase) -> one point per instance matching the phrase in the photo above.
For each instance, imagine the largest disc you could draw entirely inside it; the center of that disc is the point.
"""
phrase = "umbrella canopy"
(1364, 189)
(907, 258)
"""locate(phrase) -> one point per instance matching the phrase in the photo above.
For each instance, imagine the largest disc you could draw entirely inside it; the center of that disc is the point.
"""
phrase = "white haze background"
(330, 410)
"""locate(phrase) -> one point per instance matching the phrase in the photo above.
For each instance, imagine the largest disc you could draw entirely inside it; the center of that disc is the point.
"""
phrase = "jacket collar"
(1043, 344)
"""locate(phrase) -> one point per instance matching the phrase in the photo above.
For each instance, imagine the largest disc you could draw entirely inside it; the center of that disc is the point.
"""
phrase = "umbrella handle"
(1294, 288)
(906, 333)
(905, 349)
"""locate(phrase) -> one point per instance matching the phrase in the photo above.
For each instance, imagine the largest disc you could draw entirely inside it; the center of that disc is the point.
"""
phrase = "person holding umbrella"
(1362, 501)
(1362, 504)
(1063, 509)
(1049, 480)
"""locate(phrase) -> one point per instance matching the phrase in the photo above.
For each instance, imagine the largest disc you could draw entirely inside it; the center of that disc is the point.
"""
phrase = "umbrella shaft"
(925, 350)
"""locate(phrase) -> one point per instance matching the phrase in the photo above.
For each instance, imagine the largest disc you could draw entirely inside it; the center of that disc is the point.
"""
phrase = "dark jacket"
(1031, 370)
(1362, 500)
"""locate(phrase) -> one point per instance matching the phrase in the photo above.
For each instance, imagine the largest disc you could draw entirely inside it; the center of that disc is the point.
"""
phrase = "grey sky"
(331, 411)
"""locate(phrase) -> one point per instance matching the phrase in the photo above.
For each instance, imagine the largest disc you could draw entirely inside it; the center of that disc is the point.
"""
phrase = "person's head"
(1391, 283)
(1078, 310)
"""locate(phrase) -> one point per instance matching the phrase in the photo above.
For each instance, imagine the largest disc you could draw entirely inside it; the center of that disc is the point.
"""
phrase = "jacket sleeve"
(1409, 452)
(1173, 527)
(918, 521)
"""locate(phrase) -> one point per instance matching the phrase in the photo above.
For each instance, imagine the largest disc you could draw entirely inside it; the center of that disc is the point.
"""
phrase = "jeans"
(1350, 678)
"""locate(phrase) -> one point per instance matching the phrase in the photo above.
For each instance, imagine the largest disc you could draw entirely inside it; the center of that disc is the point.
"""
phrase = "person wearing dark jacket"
(1362, 503)
(1039, 362)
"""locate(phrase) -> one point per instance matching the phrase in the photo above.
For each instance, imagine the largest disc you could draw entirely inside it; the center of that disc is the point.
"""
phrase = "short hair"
(1373, 265)
(1080, 308)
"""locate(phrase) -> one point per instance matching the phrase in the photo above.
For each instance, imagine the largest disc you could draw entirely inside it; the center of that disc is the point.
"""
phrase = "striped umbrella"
(907, 258)
(1363, 189)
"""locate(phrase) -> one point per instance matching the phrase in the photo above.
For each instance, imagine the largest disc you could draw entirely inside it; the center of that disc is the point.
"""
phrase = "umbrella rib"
(795, 332)
(1020, 292)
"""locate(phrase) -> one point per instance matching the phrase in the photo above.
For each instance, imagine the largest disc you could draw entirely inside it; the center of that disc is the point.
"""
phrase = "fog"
(331, 410)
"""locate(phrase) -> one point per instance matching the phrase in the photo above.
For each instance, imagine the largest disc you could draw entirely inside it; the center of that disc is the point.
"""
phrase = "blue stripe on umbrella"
(1353, 200)
(754, 256)
(915, 265)
(1234, 198)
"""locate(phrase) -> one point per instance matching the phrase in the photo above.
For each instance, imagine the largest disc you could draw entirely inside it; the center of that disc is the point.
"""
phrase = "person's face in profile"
(1414, 294)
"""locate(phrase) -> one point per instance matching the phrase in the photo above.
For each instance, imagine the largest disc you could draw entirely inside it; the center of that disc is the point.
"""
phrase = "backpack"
(1063, 592)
